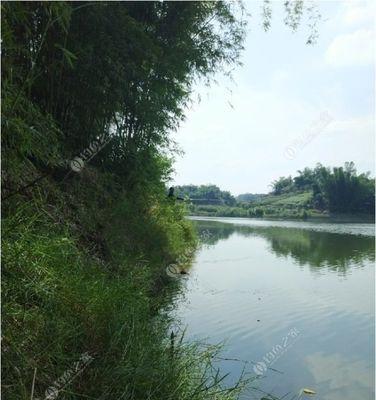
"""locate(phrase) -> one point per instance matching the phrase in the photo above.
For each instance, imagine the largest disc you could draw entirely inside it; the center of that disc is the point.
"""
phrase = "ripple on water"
(319, 284)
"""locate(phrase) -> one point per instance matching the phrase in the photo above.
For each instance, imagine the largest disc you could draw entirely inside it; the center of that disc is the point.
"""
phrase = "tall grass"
(63, 297)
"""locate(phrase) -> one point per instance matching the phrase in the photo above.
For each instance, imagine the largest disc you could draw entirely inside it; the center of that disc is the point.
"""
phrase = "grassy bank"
(84, 273)
(292, 206)
(284, 206)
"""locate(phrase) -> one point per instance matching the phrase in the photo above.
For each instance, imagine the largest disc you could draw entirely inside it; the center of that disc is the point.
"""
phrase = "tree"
(338, 189)
(125, 68)
(282, 185)
(305, 179)
(345, 191)
(206, 194)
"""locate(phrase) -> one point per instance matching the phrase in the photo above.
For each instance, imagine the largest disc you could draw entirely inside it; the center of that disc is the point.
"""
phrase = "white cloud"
(353, 126)
(337, 371)
(281, 89)
(352, 49)
(279, 77)
(352, 14)
(357, 13)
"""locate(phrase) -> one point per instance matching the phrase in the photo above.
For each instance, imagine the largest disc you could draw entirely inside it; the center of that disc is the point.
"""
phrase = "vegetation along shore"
(338, 193)
(90, 94)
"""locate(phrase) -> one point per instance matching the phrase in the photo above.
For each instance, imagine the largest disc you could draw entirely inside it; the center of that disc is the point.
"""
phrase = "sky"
(289, 106)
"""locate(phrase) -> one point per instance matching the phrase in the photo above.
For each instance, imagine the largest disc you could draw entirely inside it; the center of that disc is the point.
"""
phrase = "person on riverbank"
(172, 196)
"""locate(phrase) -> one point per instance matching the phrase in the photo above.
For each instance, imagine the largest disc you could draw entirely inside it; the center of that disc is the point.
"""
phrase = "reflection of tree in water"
(212, 232)
(322, 249)
(317, 249)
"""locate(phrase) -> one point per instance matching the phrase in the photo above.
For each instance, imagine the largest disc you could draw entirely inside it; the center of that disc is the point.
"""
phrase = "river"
(293, 302)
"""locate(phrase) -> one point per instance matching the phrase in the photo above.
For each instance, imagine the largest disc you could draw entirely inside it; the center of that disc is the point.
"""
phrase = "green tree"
(346, 191)
(206, 194)
(282, 185)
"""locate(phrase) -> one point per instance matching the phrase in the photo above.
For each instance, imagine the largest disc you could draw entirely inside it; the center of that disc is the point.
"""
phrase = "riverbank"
(305, 215)
(84, 289)
(254, 212)
(295, 206)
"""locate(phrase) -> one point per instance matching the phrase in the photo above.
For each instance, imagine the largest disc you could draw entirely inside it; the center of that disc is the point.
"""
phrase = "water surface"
(294, 300)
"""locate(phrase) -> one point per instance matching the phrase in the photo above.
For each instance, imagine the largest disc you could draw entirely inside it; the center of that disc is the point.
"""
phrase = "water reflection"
(347, 381)
(317, 249)
(253, 283)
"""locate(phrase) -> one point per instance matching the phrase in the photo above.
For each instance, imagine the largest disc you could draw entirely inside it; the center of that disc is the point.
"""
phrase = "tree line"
(75, 71)
(206, 194)
(337, 189)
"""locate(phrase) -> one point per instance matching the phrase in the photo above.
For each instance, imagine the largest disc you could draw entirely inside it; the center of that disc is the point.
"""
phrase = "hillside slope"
(289, 205)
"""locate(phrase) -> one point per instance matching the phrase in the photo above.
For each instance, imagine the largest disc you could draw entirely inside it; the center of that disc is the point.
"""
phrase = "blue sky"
(290, 105)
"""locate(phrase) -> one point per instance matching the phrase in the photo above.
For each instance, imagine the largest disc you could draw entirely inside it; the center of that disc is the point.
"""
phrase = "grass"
(288, 199)
(289, 206)
(83, 278)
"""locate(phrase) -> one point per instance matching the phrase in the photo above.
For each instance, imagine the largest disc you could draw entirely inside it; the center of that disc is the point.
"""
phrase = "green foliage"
(312, 193)
(256, 212)
(288, 205)
(282, 185)
(205, 194)
(260, 211)
(130, 77)
(159, 231)
(217, 211)
(61, 301)
(249, 197)
(84, 255)
(340, 189)
(345, 191)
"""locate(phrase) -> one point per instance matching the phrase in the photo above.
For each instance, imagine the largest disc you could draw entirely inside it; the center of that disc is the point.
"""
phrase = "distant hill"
(287, 205)
(320, 191)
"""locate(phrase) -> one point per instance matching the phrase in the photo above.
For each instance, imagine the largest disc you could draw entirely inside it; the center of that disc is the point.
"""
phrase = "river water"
(293, 302)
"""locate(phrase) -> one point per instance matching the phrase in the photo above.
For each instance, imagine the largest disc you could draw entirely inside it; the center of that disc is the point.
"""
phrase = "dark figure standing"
(172, 196)
(171, 192)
